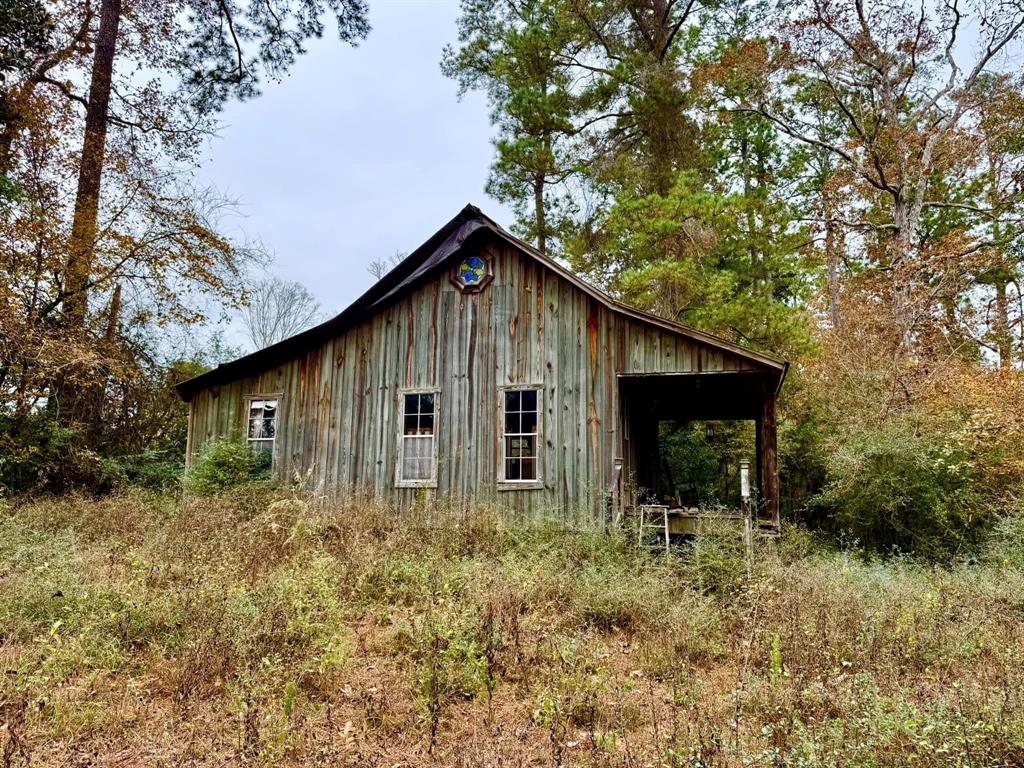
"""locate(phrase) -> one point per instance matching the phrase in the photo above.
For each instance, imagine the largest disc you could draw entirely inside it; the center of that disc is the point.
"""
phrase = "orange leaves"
(742, 68)
(985, 408)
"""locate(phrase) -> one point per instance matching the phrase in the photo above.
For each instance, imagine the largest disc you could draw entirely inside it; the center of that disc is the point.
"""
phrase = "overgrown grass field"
(148, 630)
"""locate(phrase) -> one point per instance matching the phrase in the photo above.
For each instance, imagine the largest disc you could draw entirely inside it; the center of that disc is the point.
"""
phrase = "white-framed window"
(417, 452)
(521, 436)
(261, 425)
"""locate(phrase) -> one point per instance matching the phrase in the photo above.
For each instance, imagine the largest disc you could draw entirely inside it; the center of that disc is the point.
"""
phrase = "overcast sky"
(359, 153)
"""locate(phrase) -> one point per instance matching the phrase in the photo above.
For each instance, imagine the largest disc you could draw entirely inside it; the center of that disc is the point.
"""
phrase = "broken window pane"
(261, 428)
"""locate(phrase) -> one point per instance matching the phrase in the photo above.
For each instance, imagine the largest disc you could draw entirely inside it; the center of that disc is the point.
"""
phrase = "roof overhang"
(769, 373)
(432, 256)
(695, 396)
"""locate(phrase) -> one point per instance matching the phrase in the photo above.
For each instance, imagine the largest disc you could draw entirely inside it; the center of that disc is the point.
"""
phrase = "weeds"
(286, 631)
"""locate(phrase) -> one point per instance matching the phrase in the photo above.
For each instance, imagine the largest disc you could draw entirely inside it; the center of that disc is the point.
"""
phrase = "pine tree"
(513, 51)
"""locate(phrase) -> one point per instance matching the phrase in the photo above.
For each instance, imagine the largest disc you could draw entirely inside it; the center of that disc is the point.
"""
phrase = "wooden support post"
(748, 517)
(189, 438)
(768, 458)
(616, 496)
(748, 542)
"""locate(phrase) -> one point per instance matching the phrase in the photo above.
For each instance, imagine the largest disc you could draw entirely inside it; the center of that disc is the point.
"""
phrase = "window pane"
(422, 469)
(529, 422)
(512, 401)
(512, 469)
(527, 446)
(528, 469)
(411, 423)
(255, 428)
(417, 458)
(409, 466)
(412, 404)
(415, 469)
(511, 422)
(529, 400)
(427, 424)
(268, 428)
(262, 446)
(516, 447)
(418, 447)
(269, 408)
(427, 403)
(256, 408)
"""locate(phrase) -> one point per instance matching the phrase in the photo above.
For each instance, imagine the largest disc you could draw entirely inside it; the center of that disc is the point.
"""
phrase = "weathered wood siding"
(339, 404)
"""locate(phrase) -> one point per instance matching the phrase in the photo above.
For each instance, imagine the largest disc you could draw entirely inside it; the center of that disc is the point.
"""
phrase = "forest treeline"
(838, 182)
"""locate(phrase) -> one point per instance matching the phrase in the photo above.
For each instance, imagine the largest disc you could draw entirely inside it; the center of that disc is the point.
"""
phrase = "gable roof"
(424, 261)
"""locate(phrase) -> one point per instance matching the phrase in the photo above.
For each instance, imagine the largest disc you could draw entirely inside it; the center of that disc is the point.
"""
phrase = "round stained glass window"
(472, 273)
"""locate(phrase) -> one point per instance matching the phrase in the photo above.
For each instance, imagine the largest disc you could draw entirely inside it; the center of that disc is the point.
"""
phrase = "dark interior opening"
(685, 434)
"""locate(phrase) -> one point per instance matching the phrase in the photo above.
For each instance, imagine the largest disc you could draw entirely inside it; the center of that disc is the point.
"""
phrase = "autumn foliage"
(837, 181)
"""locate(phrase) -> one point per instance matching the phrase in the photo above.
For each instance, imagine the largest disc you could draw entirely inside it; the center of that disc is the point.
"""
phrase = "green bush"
(38, 454)
(701, 459)
(893, 490)
(797, 543)
(155, 470)
(1006, 545)
(226, 464)
(716, 560)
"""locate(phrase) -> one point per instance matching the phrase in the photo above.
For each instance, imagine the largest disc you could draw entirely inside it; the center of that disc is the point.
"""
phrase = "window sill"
(520, 485)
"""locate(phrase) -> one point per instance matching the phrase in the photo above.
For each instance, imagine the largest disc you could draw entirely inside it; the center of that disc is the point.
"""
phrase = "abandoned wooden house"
(479, 367)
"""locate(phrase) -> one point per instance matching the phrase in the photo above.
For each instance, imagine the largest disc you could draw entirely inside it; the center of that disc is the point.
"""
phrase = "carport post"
(768, 457)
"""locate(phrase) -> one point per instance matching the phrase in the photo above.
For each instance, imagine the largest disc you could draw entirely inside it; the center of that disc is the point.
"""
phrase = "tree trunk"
(74, 387)
(902, 270)
(114, 314)
(1000, 278)
(1001, 326)
(11, 126)
(833, 251)
(82, 245)
(835, 244)
(540, 217)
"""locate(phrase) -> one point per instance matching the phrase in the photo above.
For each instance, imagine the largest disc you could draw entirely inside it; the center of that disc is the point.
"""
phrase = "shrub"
(716, 561)
(1006, 544)
(893, 490)
(796, 543)
(38, 454)
(609, 598)
(226, 464)
(155, 470)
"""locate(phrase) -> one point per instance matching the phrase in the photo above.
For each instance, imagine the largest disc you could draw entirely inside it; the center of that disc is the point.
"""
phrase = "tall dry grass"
(144, 630)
